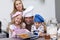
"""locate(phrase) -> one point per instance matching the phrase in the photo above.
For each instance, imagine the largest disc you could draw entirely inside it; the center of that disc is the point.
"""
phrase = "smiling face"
(18, 5)
(28, 20)
(18, 19)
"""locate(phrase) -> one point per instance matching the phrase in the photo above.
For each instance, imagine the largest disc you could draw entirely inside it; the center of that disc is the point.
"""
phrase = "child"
(17, 26)
(37, 28)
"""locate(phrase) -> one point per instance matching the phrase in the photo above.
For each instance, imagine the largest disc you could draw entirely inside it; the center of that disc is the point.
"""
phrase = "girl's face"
(37, 24)
(18, 5)
(18, 19)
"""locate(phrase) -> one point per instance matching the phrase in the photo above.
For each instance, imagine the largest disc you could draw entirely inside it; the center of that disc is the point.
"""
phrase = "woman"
(18, 6)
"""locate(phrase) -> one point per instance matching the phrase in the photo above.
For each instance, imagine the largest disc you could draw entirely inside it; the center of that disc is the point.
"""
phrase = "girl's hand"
(13, 34)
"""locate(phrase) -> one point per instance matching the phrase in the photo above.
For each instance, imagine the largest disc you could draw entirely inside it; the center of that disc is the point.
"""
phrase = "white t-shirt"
(40, 29)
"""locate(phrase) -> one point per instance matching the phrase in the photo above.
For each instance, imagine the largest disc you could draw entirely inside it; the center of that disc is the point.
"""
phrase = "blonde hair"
(14, 10)
(21, 24)
(8, 27)
(13, 19)
(12, 22)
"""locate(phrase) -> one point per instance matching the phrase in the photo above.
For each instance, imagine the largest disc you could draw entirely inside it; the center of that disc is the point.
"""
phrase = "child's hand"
(42, 34)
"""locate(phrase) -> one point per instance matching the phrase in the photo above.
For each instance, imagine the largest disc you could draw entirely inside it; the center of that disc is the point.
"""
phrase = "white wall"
(46, 9)
(5, 10)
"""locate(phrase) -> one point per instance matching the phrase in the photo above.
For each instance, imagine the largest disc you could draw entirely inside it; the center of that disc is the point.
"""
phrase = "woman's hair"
(14, 10)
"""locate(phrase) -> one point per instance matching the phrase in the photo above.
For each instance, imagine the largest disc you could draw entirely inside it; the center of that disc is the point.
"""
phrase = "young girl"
(17, 26)
(37, 28)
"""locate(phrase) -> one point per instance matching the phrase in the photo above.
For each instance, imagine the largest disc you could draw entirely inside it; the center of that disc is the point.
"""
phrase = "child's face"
(37, 24)
(18, 19)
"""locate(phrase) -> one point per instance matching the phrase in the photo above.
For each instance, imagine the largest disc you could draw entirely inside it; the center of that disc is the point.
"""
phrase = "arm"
(11, 31)
(32, 29)
(41, 34)
(44, 24)
(42, 31)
